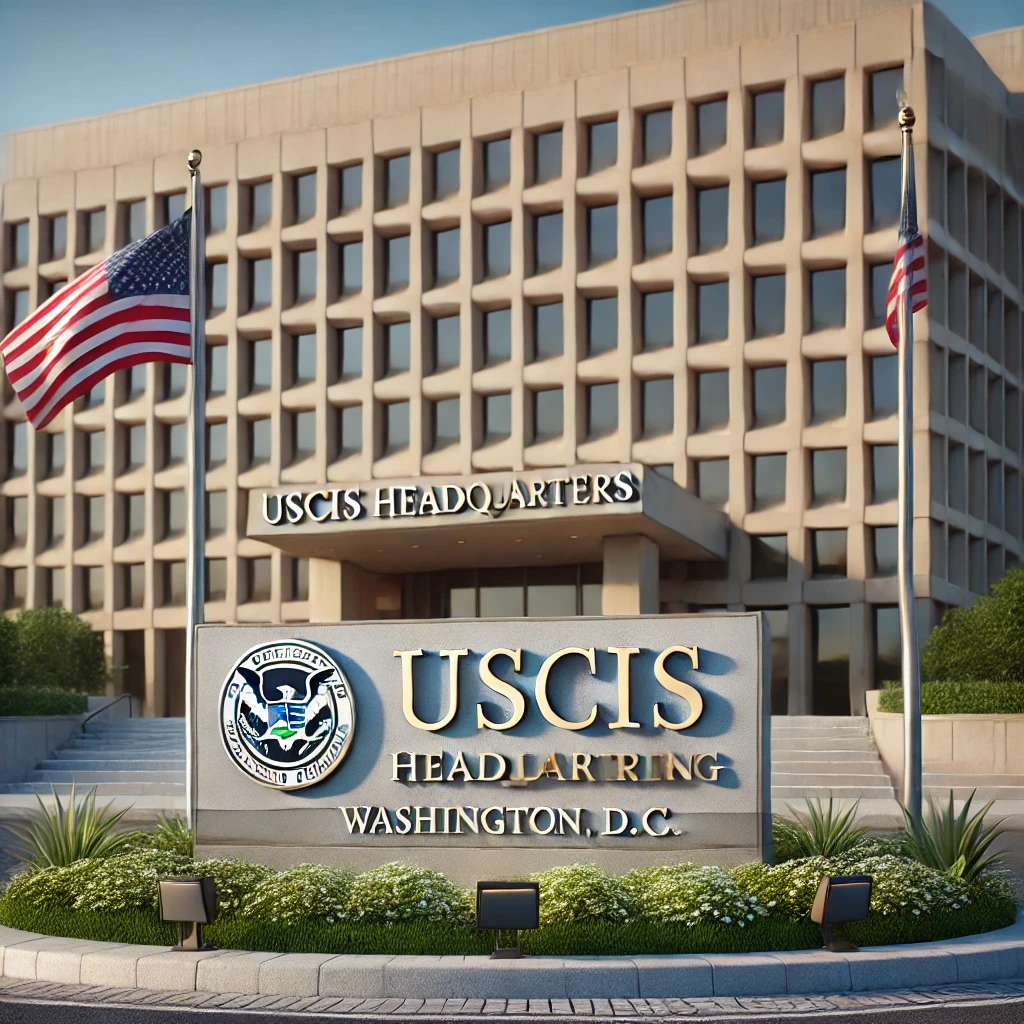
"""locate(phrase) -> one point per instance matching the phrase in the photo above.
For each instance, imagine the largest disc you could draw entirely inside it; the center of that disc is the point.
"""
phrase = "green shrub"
(398, 892)
(26, 700)
(693, 894)
(582, 892)
(174, 835)
(979, 697)
(308, 891)
(129, 882)
(826, 832)
(236, 880)
(51, 888)
(955, 843)
(58, 651)
(8, 653)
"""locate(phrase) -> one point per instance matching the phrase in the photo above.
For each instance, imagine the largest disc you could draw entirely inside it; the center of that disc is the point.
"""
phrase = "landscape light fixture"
(189, 901)
(507, 906)
(840, 899)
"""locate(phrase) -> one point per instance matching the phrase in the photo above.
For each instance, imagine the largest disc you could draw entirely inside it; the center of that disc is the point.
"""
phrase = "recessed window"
(602, 234)
(657, 135)
(657, 314)
(884, 182)
(711, 482)
(216, 445)
(54, 588)
(216, 288)
(548, 415)
(657, 407)
(828, 553)
(828, 107)
(769, 557)
(216, 513)
(96, 450)
(446, 173)
(260, 284)
(828, 390)
(497, 164)
(134, 382)
(57, 248)
(134, 221)
(712, 311)
(134, 585)
(17, 522)
(768, 201)
(396, 427)
(497, 325)
(447, 344)
(260, 367)
(216, 203)
(778, 627)
(711, 126)
(828, 202)
(17, 236)
(883, 106)
(712, 396)
(96, 396)
(94, 223)
(93, 588)
(497, 249)
(55, 521)
(828, 298)
(304, 197)
(95, 518)
(396, 264)
(304, 271)
(135, 516)
(446, 257)
(259, 442)
(712, 218)
(497, 418)
(768, 117)
(396, 181)
(350, 266)
(17, 451)
(261, 198)
(397, 348)
(55, 455)
(602, 325)
(878, 292)
(350, 356)
(175, 443)
(257, 574)
(547, 242)
(768, 305)
(602, 410)
(445, 423)
(136, 447)
(172, 207)
(174, 583)
(547, 331)
(828, 476)
(296, 575)
(657, 237)
(769, 481)
(350, 430)
(303, 436)
(768, 384)
(19, 306)
(216, 579)
(350, 188)
(303, 352)
(888, 652)
(884, 472)
(175, 379)
(602, 145)
(547, 156)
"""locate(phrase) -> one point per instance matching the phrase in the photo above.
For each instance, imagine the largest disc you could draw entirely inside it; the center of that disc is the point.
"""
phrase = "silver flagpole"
(911, 666)
(196, 565)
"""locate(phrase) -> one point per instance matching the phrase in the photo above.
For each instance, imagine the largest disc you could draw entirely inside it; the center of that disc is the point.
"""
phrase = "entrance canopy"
(550, 516)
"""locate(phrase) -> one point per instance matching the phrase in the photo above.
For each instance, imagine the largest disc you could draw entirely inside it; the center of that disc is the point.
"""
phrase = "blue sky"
(65, 59)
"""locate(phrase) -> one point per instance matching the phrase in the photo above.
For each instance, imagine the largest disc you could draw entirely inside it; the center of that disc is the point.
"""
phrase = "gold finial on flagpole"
(906, 117)
(195, 158)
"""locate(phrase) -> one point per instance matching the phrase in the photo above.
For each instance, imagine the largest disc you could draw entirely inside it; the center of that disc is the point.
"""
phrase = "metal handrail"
(107, 707)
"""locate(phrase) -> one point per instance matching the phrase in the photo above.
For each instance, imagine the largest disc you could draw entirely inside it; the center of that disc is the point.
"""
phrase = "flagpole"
(910, 660)
(196, 564)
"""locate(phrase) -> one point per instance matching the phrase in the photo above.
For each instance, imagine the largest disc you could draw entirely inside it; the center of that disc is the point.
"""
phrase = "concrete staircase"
(818, 757)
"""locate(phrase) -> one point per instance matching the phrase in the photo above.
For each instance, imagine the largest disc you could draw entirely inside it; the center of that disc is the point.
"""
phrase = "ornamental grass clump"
(307, 891)
(693, 894)
(583, 892)
(398, 892)
(826, 832)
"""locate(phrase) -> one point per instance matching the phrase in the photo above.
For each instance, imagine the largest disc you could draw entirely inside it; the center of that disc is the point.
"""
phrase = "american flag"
(132, 308)
(908, 273)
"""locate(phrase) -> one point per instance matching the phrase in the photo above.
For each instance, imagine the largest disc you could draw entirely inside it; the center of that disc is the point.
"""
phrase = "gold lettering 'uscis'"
(499, 686)
(542, 689)
(679, 688)
(407, 689)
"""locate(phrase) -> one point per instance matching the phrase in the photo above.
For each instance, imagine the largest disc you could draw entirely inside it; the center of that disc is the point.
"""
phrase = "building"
(661, 239)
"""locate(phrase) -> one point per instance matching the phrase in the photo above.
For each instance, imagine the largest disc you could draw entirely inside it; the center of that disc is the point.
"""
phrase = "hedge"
(959, 698)
(51, 649)
(29, 700)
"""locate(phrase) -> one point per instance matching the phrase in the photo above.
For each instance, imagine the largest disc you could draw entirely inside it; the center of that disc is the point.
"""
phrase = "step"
(780, 794)
(833, 756)
(818, 743)
(112, 765)
(819, 721)
(87, 778)
(136, 753)
(822, 734)
(103, 789)
(982, 794)
(829, 768)
(831, 779)
(942, 780)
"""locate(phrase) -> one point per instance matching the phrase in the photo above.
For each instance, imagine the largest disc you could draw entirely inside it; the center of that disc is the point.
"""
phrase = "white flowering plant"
(583, 892)
(52, 888)
(235, 879)
(129, 882)
(399, 892)
(303, 892)
(693, 894)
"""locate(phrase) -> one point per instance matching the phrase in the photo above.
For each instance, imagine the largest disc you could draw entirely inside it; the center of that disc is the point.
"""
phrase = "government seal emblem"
(286, 714)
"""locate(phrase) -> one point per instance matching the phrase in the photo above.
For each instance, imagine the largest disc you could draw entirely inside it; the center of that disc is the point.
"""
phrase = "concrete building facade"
(661, 239)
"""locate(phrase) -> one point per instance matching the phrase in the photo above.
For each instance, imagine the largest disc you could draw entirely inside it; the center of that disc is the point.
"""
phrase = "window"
(883, 542)
(95, 518)
(602, 145)
(17, 451)
(175, 377)
(396, 181)
(396, 264)
(446, 173)
(768, 117)
(96, 396)
(134, 383)
(712, 218)
(296, 574)
(55, 524)
(17, 239)
(55, 457)
(828, 476)
(768, 305)
(884, 473)
(602, 234)
(828, 298)
(216, 579)
(657, 135)
(497, 249)
(133, 585)
(173, 583)
(657, 226)
(888, 653)
(216, 444)
(885, 192)
(957, 476)
(547, 331)
(303, 358)
(257, 571)
(828, 202)
(58, 237)
(175, 443)
(94, 223)
(17, 522)
(828, 553)
(136, 447)
(497, 164)
(884, 85)
(712, 311)
(602, 325)
(711, 481)
(768, 384)
(712, 397)
(547, 156)
(447, 344)
(304, 275)
(96, 450)
(828, 107)
(397, 348)
(54, 588)
(548, 415)
(828, 390)
(497, 336)
(93, 588)
(396, 427)
(445, 422)
(260, 204)
(351, 267)
(768, 203)
(602, 410)
(547, 242)
(657, 314)
(259, 442)
(350, 360)
(768, 557)
(350, 188)
(446, 257)
(19, 306)
(350, 430)
(135, 516)
(830, 668)
(216, 370)
(172, 207)
(497, 418)
(260, 284)
(657, 406)
(50, 288)
(711, 126)
(216, 209)
(304, 197)
(769, 481)
(260, 366)
(878, 292)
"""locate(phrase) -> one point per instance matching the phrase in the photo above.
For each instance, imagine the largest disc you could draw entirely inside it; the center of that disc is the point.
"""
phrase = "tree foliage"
(51, 649)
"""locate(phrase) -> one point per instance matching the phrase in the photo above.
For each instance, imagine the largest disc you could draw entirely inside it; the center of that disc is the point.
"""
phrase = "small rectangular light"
(507, 906)
(839, 900)
(188, 901)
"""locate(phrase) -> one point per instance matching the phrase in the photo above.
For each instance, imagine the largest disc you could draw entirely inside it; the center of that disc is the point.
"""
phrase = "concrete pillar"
(344, 592)
(630, 585)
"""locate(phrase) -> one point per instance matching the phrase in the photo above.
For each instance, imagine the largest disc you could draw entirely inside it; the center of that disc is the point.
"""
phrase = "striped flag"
(908, 273)
(132, 308)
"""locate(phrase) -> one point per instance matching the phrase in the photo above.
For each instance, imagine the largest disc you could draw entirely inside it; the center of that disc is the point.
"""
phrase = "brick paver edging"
(990, 957)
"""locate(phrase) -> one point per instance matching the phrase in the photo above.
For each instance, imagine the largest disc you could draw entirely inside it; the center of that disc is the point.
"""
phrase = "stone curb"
(992, 956)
